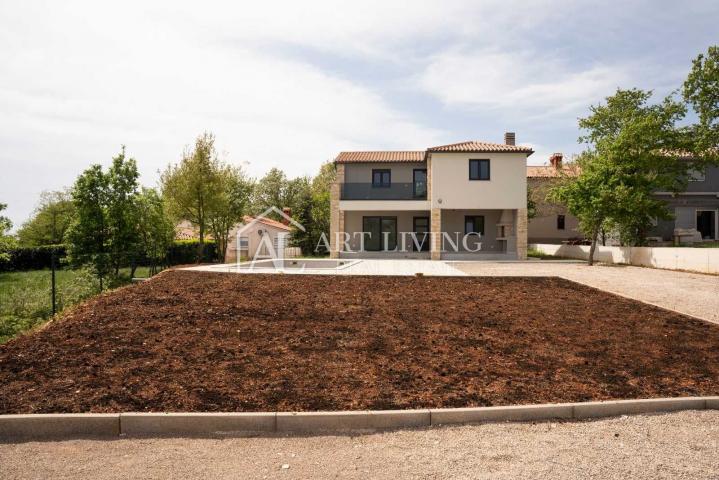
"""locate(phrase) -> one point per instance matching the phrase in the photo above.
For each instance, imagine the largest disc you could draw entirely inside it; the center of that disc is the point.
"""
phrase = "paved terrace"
(689, 293)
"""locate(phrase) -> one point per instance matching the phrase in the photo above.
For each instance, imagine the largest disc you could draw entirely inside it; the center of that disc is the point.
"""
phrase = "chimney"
(509, 138)
(287, 211)
(556, 160)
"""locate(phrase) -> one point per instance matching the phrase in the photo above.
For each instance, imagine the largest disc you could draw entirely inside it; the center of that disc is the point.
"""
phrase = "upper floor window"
(474, 224)
(381, 178)
(479, 169)
(696, 176)
(560, 222)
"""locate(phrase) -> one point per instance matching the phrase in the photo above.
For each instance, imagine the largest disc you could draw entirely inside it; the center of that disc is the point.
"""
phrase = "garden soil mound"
(196, 341)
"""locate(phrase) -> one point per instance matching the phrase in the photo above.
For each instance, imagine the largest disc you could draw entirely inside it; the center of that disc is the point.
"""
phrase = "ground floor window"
(421, 229)
(706, 224)
(560, 222)
(378, 231)
(474, 224)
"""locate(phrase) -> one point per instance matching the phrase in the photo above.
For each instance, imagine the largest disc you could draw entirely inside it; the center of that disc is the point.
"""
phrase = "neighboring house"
(695, 211)
(185, 230)
(551, 223)
(464, 188)
(249, 243)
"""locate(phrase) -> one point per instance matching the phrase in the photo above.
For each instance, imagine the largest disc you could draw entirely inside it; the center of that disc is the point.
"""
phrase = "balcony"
(395, 191)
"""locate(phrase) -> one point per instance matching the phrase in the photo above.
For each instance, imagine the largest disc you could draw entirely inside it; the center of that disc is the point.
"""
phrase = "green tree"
(300, 201)
(89, 235)
(589, 196)
(701, 91)
(311, 208)
(531, 203)
(321, 185)
(273, 190)
(191, 187)
(122, 195)
(156, 230)
(50, 221)
(228, 207)
(7, 241)
(104, 233)
(629, 158)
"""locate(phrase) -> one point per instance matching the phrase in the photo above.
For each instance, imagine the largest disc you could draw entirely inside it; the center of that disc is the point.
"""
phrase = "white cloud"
(90, 79)
(279, 82)
(524, 81)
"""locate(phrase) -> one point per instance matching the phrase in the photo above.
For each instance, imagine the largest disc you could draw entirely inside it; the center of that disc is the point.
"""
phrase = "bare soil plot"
(195, 341)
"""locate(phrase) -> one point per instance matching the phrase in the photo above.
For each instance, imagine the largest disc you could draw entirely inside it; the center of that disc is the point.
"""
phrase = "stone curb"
(196, 423)
(63, 426)
(353, 420)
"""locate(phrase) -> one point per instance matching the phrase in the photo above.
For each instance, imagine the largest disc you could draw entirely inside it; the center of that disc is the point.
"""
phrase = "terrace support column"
(436, 234)
(521, 233)
(337, 216)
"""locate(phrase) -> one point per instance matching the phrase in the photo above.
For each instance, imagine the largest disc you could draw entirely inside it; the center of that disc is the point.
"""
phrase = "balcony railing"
(396, 191)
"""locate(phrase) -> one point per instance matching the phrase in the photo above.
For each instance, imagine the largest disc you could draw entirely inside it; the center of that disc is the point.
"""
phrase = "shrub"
(40, 258)
(185, 251)
(32, 258)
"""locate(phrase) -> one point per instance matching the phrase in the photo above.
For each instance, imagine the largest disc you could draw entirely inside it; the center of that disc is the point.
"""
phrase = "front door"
(420, 226)
(706, 224)
(381, 233)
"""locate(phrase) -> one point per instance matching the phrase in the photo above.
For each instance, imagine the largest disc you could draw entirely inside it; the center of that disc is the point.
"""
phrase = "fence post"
(54, 292)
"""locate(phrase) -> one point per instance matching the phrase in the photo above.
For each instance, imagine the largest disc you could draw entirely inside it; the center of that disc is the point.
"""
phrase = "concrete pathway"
(689, 293)
(679, 445)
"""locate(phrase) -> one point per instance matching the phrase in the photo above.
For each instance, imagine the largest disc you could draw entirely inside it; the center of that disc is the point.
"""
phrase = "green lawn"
(706, 245)
(25, 297)
(534, 253)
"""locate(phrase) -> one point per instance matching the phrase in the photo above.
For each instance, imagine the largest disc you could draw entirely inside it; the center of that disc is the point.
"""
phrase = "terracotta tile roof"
(380, 156)
(481, 147)
(418, 156)
(267, 221)
(187, 231)
(548, 171)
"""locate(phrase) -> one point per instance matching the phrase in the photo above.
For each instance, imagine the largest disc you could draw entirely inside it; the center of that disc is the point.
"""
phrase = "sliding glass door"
(378, 231)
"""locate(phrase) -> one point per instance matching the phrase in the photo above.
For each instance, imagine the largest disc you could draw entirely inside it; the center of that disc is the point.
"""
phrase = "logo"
(266, 240)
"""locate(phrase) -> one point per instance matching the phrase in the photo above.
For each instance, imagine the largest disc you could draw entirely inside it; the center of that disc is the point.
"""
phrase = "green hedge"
(185, 251)
(38, 258)
(33, 258)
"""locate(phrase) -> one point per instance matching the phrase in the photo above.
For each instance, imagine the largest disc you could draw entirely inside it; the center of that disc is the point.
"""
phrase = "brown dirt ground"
(195, 341)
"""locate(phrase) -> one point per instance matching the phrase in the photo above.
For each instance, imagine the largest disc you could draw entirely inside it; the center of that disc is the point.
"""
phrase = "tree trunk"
(595, 234)
(201, 246)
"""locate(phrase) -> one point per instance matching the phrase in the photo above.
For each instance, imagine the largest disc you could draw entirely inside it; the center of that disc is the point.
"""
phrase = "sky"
(290, 84)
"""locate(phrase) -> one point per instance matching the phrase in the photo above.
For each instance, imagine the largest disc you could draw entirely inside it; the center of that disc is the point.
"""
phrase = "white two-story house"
(461, 201)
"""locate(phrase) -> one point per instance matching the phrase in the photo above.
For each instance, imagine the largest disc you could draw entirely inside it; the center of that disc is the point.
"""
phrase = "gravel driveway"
(679, 445)
(689, 293)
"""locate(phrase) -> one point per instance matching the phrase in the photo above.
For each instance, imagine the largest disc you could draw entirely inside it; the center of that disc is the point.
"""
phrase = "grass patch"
(534, 253)
(707, 245)
(26, 301)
